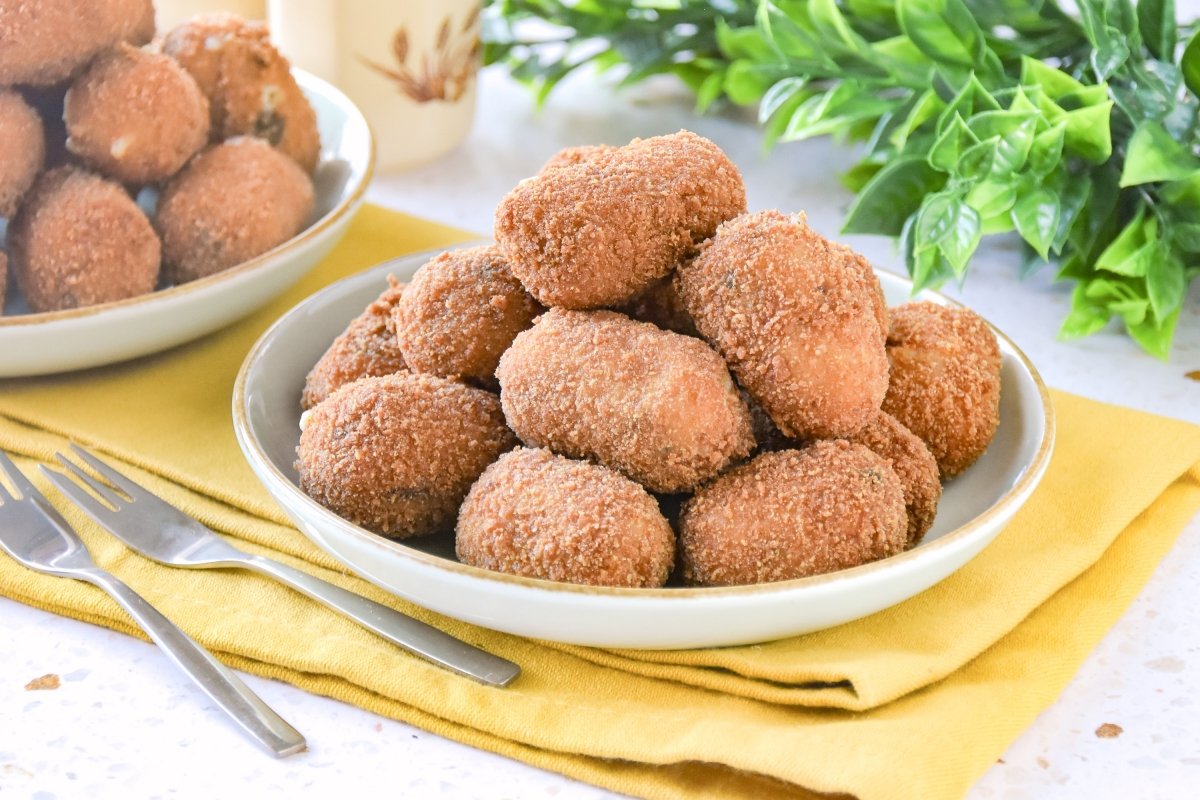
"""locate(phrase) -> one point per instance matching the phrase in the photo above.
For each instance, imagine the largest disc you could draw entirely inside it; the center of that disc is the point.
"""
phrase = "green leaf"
(710, 90)
(895, 192)
(1154, 155)
(1156, 20)
(1073, 196)
(1088, 133)
(746, 82)
(1087, 316)
(969, 99)
(1134, 248)
(860, 174)
(1045, 154)
(949, 224)
(1054, 82)
(944, 30)
(1036, 215)
(1166, 285)
(992, 196)
(1189, 62)
(1154, 335)
(779, 93)
(949, 147)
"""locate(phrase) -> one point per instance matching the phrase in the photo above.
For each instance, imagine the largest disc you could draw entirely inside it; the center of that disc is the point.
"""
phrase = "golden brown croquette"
(397, 453)
(234, 201)
(791, 514)
(654, 405)
(913, 464)
(248, 83)
(460, 312)
(135, 116)
(44, 42)
(798, 327)
(540, 515)
(945, 381)
(596, 233)
(79, 240)
(367, 348)
(660, 303)
(22, 141)
(570, 156)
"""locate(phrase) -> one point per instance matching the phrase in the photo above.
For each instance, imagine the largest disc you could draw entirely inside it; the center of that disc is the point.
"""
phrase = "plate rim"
(1005, 506)
(347, 204)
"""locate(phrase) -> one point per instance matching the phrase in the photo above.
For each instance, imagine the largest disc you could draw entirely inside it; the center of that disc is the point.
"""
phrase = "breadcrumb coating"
(791, 514)
(367, 348)
(23, 143)
(397, 453)
(569, 156)
(541, 515)
(234, 201)
(797, 321)
(461, 312)
(79, 240)
(654, 405)
(44, 42)
(595, 233)
(913, 464)
(945, 381)
(248, 83)
(135, 116)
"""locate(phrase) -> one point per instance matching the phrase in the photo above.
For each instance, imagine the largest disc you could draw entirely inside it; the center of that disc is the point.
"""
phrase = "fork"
(35, 534)
(158, 530)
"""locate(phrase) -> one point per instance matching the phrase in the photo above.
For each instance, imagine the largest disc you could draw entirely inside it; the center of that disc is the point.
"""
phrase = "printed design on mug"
(445, 72)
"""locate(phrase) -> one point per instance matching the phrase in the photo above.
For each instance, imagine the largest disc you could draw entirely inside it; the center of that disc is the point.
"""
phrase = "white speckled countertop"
(125, 724)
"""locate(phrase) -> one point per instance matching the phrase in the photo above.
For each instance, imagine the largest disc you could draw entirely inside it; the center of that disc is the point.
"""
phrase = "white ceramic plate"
(39, 344)
(974, 508)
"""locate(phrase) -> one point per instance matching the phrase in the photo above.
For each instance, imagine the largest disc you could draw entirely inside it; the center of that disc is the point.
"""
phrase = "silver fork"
(158, 530)
(35, 534)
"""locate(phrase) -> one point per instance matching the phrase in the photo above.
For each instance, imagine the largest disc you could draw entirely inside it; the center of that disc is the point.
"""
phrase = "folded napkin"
(915, 701)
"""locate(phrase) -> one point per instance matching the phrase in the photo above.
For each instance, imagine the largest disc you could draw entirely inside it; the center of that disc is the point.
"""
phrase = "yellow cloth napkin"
(916, 701)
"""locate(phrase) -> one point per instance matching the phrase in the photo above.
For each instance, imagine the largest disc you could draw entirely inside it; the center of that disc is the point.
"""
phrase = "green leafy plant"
(1078, 132)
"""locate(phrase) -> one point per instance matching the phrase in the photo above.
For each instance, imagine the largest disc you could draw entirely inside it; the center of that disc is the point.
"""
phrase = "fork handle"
(411, 634)
(225, 688)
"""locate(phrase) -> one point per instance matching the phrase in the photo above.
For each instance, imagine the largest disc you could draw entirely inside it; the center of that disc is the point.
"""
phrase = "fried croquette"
(396, 454)
(791, 514)
(945, 381)
(654, 405)
(248, 83)
(660, 303)
(44, 42)
(234, 201)
(541, 515)
(135, 116)
(22, 141)
(461, 311)
(596, 233)
(367, 348)
(570, 156)
(913, 464)
(79, 240)
(798, 327)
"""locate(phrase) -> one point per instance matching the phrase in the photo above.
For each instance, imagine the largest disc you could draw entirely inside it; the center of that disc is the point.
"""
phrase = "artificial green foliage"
(1077, 132)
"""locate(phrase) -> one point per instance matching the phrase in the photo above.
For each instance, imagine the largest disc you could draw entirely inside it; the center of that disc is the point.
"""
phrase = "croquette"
(367, 348)
(541, 515)
(656, 406)
(248, 83)
(44, 42)
(135, 116)
(397, 453)
(791, 514)
(913, 464)
(80, 239)
(945, 381)
(596, 233)
(460, 313)
(797, 325)
(22, 141)
(232, 202)
(660, 303)
(570, 156)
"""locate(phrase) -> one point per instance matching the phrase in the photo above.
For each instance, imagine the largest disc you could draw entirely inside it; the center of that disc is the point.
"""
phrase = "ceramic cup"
(409, 65)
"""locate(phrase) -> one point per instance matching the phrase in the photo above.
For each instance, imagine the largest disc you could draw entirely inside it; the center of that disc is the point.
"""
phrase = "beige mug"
(409, 65)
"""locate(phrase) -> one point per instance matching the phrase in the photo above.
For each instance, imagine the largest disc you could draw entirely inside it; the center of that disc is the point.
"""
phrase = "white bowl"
(974, 508)
(39, 344)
